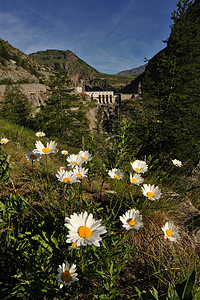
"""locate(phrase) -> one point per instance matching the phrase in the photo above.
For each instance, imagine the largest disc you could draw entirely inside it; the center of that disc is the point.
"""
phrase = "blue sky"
(110, 35)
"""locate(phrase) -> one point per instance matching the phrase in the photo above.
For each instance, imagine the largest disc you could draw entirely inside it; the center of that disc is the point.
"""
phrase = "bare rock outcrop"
(15, 73)
(36, 93)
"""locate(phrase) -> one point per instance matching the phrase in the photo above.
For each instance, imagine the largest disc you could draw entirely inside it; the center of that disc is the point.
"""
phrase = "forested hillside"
(171, 88)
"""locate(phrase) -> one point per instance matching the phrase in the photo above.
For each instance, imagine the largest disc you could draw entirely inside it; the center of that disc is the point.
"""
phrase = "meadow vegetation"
(129, 264)
(107, 220)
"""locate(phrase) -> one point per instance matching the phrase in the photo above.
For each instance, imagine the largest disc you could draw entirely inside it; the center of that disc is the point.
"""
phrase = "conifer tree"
(171, 88)
(62, 115)
(15, 106)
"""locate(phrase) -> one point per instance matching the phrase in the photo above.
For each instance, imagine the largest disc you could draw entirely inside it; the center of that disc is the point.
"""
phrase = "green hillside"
(171, 87)
(76, 69)
(72, 64)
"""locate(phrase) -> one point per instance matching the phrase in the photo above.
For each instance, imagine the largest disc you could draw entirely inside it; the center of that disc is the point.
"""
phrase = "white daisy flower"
(116, 174)
(66, 176)
(74, 160)
(136, 179)
(84, 230)
(80, 172)
(40, 134)
(66, 274)
(132, 219)
(32, 156)
(62, 169)
(64, 152)
(177, 162)
(139, 166)
(4, 141)
(151, 191)
(50, 148)
(171, 231)
(85, 155)
(74, 246)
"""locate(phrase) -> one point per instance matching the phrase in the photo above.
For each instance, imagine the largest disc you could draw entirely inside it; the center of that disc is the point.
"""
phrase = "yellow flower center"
(84, 158)
(75, 163)
(116, 176)
(79, 175)
(3, 141)
(73, 245)
(133, 180)
(66, 276)
(169, 232)
(33, 156)
(137, 169)
(131, 222)
(46, 150)
(40, 134)
(84, 232)
(150, 194)
(67, 179)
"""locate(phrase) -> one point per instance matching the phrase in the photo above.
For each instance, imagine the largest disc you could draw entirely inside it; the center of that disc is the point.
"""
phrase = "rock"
(36, 93)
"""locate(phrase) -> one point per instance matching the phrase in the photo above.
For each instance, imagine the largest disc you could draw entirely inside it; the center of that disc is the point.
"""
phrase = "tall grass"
(33, 235)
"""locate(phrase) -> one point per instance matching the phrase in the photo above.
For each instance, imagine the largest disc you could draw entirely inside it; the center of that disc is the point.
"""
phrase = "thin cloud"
(47, 19)
(118, 17)
(110, 36)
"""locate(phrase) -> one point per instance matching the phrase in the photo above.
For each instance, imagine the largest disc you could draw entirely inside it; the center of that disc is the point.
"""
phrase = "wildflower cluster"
(75, 161)
(140, 167)
(83, 229)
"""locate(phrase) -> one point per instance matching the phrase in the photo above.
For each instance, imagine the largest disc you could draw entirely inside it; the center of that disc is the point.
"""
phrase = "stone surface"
(16, 73)
(37, 93)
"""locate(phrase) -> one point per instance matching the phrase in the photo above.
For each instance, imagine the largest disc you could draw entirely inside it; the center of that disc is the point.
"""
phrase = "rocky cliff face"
(79, 71)
(11, 72)
(75, 68)
(16, 66)
(133, 72)
(36, 93)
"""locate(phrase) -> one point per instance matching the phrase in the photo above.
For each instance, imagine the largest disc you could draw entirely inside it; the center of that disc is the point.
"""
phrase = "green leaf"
(148, 296)
(43, 243)
(185, 287)
(172, 294)
(138, 292)
(54, 240)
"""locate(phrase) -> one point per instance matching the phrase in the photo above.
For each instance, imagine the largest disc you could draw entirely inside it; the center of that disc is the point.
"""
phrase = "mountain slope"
(74, 67)
(77, 70)
(133, 72)
(16, 66)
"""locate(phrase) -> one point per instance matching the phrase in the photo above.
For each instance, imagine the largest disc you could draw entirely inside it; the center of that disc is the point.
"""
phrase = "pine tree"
(62, 114)
(15, 106)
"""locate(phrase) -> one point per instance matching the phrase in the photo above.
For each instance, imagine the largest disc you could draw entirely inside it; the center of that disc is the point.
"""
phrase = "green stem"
(46, 163)
(101, 191)
(81, 255)
(116, 202)
(33, 175)
(64, 203)
(126, 236)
